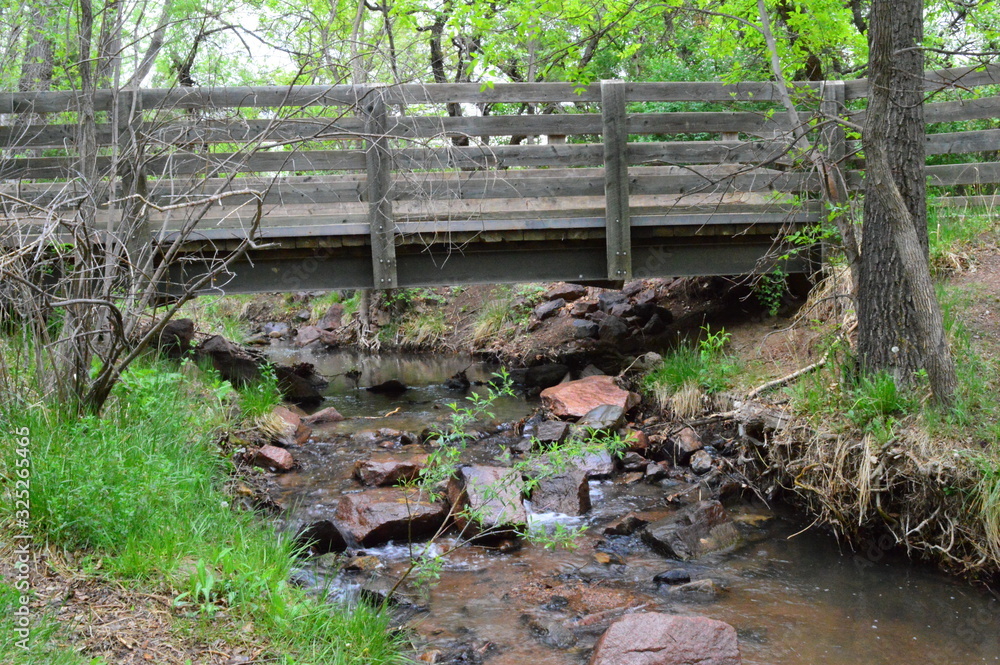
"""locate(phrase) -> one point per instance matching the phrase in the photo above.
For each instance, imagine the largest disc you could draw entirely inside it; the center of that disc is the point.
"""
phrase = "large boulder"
(231, 362)
(567, 493)
(298, 385)
(693, 532)
(663, 639)
(386, 469)
(575, 399)
(376, 516)
(490, 494)
(332, 318)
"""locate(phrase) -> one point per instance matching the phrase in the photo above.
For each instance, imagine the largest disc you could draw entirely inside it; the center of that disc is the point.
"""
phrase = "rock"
(626, 526)
(591, 370)
(294, 430)
(333, 317)
(364, 563)
(634, 462)
(567, 493)
(609, 559)
(612, 330)
(567, 292)
(608, 299)
(545, 376)
(663, 639)
(583, 329)
(321, 536)
(547, 309)
(633, 287)
(701, 462)
(656, 471)
(702, 588)
(376, 516)
(493, 493)
(296, 388)
(582, 308)
(672, 577)
(637, 440)
(324, 416)
(646, 296)
(692, 532)
(647, 362)
(551, 432)
(176, 339)
(630, 478)
(307, 335)
(383, 470)
(603, 418)
(686, 443)
(576, 399)
(459, 382)
(598, 464)
(622, 310)
(390, 387)
(231, 362)
(274, 458)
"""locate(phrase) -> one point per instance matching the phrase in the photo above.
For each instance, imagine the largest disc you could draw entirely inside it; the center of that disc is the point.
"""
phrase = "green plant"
(258, 398)
(422, 329)
(770, 288)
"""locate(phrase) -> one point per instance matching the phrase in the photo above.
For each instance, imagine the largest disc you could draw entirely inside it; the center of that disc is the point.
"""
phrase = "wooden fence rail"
(382, 171)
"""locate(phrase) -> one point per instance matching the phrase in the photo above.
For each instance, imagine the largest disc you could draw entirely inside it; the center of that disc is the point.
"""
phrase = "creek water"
(794, 596)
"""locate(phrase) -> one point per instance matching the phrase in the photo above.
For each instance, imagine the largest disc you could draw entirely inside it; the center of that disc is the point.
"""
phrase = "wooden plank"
(986, 201)
(965, 109)
(941, 79)
(379, 168)
(963, 174)
(616, 181)
(834, 137)
(961, 142)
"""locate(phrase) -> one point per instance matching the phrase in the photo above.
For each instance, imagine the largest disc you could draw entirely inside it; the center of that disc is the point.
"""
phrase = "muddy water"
(793, 597)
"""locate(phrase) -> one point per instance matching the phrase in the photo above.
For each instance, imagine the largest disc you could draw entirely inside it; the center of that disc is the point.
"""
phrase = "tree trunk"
(900, 324)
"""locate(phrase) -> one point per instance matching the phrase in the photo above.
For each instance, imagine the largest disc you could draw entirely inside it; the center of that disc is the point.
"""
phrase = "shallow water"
(794, 598)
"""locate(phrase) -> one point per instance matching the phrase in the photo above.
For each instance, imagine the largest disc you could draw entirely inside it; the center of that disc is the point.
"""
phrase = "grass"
(137, 494)
(422, 329)
(952, 235)
(500, 315)
(691, 371)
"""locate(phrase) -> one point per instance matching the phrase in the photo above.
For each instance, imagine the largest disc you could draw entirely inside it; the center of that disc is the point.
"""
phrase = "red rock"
(663, 639)
(274, 458)
(294, 429)
(332, 319)
(577, 398)
(374, 517)
(324, 416)
(686, 443)
(638, 441)
(384, 470)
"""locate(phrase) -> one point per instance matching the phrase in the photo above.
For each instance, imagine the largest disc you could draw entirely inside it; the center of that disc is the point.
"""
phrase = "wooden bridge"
(354, 187)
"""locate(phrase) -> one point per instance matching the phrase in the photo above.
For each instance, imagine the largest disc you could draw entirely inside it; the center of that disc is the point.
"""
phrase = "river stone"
(545, 376)
(567, 493)
(292, 429)
(575, 399)
(376, 516)
(692, 532)
(306, 335)
(276, 329)
(176, 338)
(686, 443)
(493, 493)
(655, 326)
(608, 299)
(582, 308)
(591, 370)
(603, 418)
(384, 470)
(324, 416)
(331, 320)
(700, 589)
(274, 458)
(701, 462)
(634, 462)
(673, 576)
(551, 432)
(596, 464)
(547, 309)
(567, 292)
(663, 639)
(232, 363)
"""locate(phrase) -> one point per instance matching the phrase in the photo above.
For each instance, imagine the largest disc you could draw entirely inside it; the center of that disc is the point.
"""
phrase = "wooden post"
(616, 185)
(378, 161)
(834, 138)
(133, 226)
(834, 142)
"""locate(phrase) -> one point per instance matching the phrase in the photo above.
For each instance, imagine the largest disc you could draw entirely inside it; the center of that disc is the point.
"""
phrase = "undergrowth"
(137, 494)
(690, 371)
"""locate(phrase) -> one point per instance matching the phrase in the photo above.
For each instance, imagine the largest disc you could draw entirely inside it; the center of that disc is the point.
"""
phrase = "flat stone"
(547, 309)
(663, 639)
(693, 532)
(565, 291)
(323, 417)
(384, 470)
(603, 418)
(598, 464)
(567, 493)
(686, 443)
(582, 308)
(293, 430)
(376, 516)
(608, 299)
(673, 576)
(493, 494)
(575, 399)
(274, 458)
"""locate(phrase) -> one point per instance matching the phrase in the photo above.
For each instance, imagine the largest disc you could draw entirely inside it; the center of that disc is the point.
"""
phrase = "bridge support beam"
(616, 187)
(378, 162)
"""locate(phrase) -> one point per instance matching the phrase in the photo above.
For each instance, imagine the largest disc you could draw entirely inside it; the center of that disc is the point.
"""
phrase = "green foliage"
(953, 233)
(770, 289)
(503, 314)
(259, 398)
(139, 489)
(422, 330)
(706, 366)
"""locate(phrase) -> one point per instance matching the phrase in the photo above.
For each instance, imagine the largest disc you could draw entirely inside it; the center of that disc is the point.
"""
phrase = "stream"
(793, 595)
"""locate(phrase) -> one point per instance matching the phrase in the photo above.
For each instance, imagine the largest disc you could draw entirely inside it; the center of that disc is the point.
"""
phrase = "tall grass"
(140, 489)
(691, 371)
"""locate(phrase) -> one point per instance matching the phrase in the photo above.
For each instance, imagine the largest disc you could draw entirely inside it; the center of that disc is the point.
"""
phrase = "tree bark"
(901, 328)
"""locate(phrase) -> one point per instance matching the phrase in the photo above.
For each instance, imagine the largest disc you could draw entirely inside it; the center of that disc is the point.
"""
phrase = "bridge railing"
(439, 168)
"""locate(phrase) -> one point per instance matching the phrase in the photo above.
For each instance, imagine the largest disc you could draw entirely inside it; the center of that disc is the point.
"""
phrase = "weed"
(689, 371)
(770, 288)
(422, 329)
